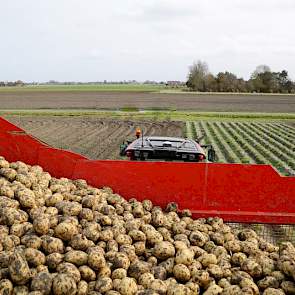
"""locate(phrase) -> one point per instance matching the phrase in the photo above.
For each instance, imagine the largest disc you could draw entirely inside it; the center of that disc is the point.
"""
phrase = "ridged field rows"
(249, 142)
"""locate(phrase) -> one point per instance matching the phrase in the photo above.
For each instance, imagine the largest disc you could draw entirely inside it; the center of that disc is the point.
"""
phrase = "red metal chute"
(235, 192)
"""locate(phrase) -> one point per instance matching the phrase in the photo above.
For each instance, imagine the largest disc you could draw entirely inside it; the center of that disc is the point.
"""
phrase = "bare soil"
(144, 100)
(92, 137)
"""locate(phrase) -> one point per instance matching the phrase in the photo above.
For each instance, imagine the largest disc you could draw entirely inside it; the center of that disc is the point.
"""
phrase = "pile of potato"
(59, 236)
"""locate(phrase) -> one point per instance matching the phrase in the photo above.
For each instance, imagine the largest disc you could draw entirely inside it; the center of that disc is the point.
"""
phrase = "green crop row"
(249, 142)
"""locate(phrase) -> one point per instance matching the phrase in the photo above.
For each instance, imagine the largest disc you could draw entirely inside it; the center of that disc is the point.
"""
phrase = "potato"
(52, 245)
(159, 272)
(184, 256)
(64, 284)
(70, 269)
(168, 265)
(18, 268)
(198, 238)
(10, 216)
(164, 250)
(42, 282)
(288, 287)
(207, 259)
(249, 283)
(121, 260)
(193, 287)
(52, 200)
(146, 279)
(215, 271)
(252, 267)
(103, 284)
(104, 271)
(178, 290)
(54, 259)
(159, 286)
(8, 173)
(127, 286)
(6, 287)
(153, 237)
(119, 273)
(34, 257)
(76, 257)
(213, 290)
(82, 288)
(123, 239)
(41, 225)
(80, 242)
(138, 268)
(27, 199)
(87, 273)
(20, 290)
(96, 260)
(181, 272)
(152, 260)
(92, 231)
(65, 231)
(202, 278)
(42, 268)
(20, 229)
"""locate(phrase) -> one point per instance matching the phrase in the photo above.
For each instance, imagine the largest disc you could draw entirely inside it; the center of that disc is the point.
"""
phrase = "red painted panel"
(236, 192)
(158, 181)
(59, 163)
(246, 193)
(6, 126)
(19, 146)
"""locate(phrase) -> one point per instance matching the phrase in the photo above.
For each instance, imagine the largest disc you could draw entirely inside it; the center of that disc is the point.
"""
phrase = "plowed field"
(143, 100)
(92, 137)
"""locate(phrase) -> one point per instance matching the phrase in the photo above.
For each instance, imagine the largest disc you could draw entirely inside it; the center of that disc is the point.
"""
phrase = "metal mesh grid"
(272, 233)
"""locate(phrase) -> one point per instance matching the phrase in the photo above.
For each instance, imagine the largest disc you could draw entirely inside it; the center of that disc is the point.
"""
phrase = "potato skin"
(64, 284)
(18, 268)
(6, 287)
(42, 282)
(76, 257)
(127, 286)
(34, 257)
(164, 250)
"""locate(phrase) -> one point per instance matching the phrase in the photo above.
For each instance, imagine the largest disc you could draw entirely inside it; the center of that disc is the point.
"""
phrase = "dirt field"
(92, 137)
(141, 100)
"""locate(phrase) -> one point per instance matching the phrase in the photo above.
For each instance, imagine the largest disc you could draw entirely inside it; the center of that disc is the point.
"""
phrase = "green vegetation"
(132, 113)
(262, 80)
(248, 142)
(88, 87)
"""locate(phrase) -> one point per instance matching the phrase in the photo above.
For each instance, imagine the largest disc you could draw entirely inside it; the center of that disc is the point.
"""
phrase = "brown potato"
(34, 257)
(76, 257)
(69, 269)
(18, 268)
(64, 284)
(42, 282)
(87, 273)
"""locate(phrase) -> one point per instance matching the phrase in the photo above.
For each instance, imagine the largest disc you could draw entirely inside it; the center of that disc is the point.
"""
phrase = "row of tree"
(11, 83)
(262, 80)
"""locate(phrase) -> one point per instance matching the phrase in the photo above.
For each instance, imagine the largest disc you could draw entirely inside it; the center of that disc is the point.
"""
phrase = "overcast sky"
(92, 40)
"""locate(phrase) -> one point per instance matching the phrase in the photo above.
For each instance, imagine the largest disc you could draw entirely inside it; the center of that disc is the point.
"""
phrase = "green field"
(128, 113)
(90, 87)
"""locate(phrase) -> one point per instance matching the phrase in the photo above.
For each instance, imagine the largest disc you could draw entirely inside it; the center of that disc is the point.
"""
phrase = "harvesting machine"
(235, 192)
